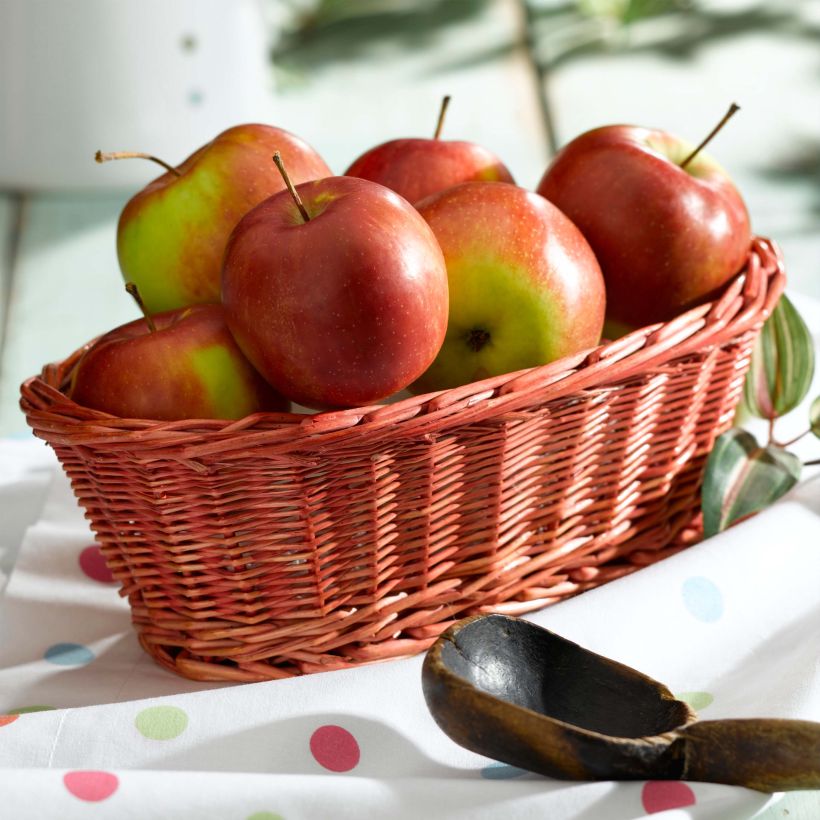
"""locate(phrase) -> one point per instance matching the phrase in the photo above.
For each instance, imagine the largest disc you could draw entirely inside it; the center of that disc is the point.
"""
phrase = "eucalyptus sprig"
(742, 476)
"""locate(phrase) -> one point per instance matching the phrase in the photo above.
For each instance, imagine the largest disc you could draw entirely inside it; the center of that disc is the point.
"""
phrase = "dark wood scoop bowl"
(516, 692)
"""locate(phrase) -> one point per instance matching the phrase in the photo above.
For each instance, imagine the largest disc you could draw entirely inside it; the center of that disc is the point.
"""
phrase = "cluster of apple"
(265, 279)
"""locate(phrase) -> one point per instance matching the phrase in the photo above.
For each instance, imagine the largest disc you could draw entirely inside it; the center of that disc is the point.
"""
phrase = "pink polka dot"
(93, 565)
(90, 785)
(334, 748)
(663, 795)
(6, 719)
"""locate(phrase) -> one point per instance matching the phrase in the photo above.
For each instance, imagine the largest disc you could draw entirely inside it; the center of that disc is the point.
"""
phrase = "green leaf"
(743, 478)
(782, 364)
(814, 417)
(630, 11)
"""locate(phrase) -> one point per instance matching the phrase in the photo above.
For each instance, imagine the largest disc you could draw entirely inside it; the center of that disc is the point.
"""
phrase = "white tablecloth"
(730, 625)
(94, 729)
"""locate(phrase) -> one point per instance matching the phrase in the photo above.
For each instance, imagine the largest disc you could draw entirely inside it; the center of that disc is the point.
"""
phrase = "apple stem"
(134, 291)
(442, 111)
(733, 109)
(106, 156)
(277, 158)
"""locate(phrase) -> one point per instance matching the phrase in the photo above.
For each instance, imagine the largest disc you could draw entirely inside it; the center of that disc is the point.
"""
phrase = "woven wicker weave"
(285, 544)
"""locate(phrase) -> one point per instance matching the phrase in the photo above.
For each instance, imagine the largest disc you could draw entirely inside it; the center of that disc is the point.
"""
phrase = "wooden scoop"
(516, 692)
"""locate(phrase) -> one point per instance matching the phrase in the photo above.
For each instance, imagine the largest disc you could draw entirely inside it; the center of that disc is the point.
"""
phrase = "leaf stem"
(813, 463)
(791, 441)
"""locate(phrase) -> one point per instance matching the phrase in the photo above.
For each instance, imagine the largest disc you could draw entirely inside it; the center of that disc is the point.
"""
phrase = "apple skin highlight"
(189, 368)
(525, 288)
(417, 168)
(667, 238)
(342, 310)
(171, 235)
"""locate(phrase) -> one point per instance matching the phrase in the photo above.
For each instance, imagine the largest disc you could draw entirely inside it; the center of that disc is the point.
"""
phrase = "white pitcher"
(162, 76)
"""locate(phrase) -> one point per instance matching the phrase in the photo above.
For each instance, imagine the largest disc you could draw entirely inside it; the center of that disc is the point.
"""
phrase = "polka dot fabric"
(697, 700)
(703, 599)
(663, 795)
(25, 710)
(501, 771)
(334, 748)
(13, 714)
(91, 786)
(68, 654)
(361, 743)
(93, 565)
(161, 722)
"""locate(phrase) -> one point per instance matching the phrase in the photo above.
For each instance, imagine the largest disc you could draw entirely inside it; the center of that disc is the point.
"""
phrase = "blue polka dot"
(69, 654)
(501, 771)
(703, 599)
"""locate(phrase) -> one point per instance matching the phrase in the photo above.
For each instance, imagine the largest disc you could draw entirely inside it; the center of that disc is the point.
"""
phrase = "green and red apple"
(416, 168)
(339, 299)
(525, 287)
(667, 237)
(187, 366)
(171, 235)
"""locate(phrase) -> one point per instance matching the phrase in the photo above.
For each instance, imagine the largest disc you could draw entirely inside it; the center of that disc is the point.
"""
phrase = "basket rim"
(743, 304)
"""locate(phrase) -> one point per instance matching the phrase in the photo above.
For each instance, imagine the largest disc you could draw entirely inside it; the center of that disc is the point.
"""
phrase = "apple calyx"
(106, 156)
(477, 338)
(277, 158)
(733, 109)
(135, 293)
(442, 111)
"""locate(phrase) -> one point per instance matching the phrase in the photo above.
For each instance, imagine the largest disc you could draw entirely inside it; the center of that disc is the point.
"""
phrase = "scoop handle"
(769, 755)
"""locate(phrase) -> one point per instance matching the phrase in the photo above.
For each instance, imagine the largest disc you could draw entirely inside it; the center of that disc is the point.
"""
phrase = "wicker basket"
(283, 544)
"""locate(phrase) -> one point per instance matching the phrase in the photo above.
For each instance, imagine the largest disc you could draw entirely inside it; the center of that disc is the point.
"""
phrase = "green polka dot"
(697, 700)
(25, 710)
(161, 722)
(264, 815)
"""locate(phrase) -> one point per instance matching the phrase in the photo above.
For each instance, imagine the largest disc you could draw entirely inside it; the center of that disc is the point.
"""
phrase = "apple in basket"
(179, 364)
(525, 287)
(172, 234)
(416, 168)
(336, 291)
(666, 222)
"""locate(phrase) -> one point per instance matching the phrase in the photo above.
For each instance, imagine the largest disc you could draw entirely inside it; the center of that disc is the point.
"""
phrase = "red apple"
(341, 309)
(666, 237)
(416, 168)
(525, 287)
(172, 234)
(188, 367)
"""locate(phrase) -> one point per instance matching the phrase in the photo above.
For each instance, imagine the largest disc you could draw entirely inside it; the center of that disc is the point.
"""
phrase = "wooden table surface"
(522, 81)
